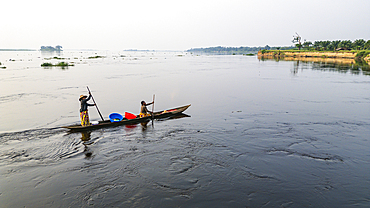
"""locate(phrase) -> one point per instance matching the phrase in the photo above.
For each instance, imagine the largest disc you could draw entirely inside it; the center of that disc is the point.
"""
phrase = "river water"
(260, 133)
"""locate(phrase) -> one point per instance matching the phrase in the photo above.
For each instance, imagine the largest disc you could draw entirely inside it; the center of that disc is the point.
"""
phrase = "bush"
(60, 64)
(47, 64)
(362, 54)
(95, 57)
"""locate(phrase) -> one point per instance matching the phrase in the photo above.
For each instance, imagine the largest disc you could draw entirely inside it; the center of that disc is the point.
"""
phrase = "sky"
(178, 25)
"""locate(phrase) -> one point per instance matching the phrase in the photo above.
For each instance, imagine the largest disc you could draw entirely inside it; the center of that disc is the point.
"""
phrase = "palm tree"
(367, 45)
(325, 44)
(334, 44)
(346, 44)
(317, 45)
(359, 44)
(307, 44)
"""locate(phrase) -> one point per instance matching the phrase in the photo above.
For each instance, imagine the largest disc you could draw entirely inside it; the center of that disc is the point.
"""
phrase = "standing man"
(84, 115)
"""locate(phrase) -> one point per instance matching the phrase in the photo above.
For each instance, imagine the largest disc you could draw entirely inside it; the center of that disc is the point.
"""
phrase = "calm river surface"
(260, 133)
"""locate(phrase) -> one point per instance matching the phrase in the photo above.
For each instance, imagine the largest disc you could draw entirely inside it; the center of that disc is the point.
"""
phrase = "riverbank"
(351, 56)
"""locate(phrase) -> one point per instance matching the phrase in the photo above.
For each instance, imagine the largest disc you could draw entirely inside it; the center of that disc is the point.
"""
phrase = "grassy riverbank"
(358, 55)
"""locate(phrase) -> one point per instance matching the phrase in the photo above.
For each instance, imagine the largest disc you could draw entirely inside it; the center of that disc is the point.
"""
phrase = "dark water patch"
(337, 127)
(249, 173)
(38, 147)
(315, 156)
(30, 134)
(181, 164)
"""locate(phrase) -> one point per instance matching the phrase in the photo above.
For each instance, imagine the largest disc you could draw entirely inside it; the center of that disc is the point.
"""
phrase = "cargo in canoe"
(107, 123)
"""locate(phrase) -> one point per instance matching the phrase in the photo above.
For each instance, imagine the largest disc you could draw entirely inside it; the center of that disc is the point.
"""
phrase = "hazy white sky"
(178, 25)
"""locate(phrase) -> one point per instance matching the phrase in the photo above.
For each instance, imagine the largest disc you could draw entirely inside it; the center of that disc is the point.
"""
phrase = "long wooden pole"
(95, 104)
(153, 107)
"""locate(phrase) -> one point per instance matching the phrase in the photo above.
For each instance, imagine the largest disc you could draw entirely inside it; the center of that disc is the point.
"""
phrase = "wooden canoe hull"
(104, 124)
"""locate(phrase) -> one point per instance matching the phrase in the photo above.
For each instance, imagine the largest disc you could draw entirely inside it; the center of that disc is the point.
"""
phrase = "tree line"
(359, 44)
(235, 50)
(335, 45)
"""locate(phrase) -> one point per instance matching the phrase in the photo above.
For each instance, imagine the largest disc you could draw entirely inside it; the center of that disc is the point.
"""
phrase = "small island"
(51, 49)
(60, 64)
(2, 67)
(96, 57)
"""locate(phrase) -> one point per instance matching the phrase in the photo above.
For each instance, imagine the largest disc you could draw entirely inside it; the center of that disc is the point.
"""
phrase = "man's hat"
(82, 96)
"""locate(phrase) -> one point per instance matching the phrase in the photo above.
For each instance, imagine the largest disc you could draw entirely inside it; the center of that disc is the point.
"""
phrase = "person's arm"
(149, 103)
(88, 98)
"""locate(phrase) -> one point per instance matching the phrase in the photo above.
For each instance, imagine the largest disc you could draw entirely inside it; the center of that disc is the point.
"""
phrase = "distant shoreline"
(18, 50)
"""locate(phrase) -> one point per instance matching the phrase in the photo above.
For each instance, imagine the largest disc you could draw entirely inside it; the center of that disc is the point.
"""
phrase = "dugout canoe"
(107, 123)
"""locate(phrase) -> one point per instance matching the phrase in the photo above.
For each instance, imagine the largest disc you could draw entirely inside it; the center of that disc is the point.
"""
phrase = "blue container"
(115, 117)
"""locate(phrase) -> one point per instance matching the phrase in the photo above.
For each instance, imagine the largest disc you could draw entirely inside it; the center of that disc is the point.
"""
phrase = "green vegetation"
(50, 48)
(60, 64)
(360, 57)
(335, 45)
(47, 64)
(64, 64)
(362, 54)
(297, 39)
(312, 50)
(95, 57)
(306, 46)
(234, 50)
(55, 57)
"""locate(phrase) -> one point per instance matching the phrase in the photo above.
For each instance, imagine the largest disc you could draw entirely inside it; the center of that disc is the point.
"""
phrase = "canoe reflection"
(85, 137)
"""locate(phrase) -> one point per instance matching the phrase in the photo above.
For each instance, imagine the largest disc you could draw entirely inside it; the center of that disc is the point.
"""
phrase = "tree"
(317, 45)
(359, 44)
(58, 48)
(325, 44)
(297, 39)
(334, 45)
(367, 45)
(307, 44)
(346, 44)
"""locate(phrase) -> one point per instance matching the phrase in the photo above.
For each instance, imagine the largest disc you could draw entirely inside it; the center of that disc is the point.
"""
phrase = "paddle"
(95, 104)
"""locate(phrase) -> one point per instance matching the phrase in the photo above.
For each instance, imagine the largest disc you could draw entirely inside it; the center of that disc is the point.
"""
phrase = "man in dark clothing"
(84, 115)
